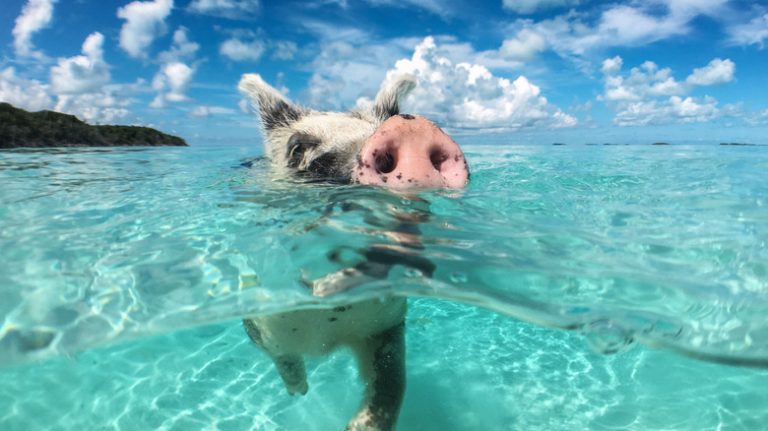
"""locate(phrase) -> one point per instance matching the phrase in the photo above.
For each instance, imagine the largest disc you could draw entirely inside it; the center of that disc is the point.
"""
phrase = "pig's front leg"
(381, 361)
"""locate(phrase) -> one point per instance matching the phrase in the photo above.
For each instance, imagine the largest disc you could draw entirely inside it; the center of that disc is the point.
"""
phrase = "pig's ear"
(275, 110)
(388, 100)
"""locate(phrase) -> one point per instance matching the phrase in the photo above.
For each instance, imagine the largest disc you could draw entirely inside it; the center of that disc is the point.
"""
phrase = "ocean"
(604, 287)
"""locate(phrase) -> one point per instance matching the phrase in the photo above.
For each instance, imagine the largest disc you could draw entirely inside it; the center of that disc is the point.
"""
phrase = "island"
(20, 128)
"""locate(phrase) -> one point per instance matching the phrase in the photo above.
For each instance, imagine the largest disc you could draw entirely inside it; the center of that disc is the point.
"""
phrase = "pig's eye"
(297, 147)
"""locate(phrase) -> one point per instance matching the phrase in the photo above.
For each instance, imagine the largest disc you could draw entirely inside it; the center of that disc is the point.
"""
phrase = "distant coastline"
(20, 128)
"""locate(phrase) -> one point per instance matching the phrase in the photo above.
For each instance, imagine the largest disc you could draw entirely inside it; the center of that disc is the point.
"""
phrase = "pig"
(377, 146)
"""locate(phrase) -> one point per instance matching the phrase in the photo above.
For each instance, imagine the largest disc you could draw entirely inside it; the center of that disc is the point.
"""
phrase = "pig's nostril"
(385, 162)
(437, 157)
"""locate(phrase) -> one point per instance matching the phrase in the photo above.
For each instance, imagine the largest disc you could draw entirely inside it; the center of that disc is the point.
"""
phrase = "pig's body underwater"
(377, 146)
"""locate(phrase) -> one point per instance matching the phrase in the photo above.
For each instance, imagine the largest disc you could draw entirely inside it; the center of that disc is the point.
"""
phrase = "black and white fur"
(305, 142)
(319, 143)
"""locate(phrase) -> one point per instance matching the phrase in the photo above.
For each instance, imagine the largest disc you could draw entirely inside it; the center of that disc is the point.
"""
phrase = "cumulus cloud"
(35, 16)
(171, 83)
(175, 75)
(754, 32)
(85, 73)
(181, 48)
(524, 46)
(531, 6)
(345, 70)
(106, 106)
(79, 85)
(27, 94)
(718, 71)
(466, 95)
(144, 21)
(651, 95)
(612, 65)
(232, 9)
(675, 109)
(238, 50)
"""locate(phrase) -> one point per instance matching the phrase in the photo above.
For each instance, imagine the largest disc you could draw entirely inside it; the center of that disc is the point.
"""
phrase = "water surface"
(663, 246)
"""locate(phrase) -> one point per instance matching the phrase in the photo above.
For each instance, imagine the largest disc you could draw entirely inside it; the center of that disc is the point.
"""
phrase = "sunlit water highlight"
(666, 246)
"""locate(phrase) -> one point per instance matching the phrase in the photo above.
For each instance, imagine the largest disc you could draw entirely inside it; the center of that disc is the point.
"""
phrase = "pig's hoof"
(298, 388)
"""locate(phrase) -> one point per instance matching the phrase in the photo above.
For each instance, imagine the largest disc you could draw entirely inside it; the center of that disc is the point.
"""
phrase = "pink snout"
(411, 152)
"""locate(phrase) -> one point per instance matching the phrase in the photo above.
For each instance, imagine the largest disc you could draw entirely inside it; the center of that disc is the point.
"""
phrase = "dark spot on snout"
(407, 116)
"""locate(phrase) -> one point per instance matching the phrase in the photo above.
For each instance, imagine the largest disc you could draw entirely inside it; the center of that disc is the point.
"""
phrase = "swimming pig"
(375, 146)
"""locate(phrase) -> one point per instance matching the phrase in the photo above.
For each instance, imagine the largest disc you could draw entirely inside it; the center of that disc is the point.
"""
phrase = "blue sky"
(521, 71)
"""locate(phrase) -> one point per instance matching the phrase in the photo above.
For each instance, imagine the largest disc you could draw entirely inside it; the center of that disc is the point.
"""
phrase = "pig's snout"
(411, 152)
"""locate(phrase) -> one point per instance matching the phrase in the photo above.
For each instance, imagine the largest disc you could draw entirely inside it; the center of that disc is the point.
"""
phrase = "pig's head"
(377, 146)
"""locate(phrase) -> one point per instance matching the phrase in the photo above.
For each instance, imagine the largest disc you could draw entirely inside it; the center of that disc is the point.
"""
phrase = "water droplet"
(458, 277)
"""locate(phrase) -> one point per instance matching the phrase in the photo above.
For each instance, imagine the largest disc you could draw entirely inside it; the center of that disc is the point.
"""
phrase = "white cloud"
(27, 94)
(85, 73)
(612, 65)
(344, 70)
(175, 75)
(633, 24)
(79, 85)
(35, 16)
(237, 50)
(675, 109)
(233, 9)
(284, 50)
(758, 118)
(181, 48)
(718, 71)
(754, 32)
(145, 20)
(103, 107)
(466, 95)
(207, 111)
(455, 85)
(531, 6)
(441, 8)
(524, 46)
(171, 83)
(651, 95)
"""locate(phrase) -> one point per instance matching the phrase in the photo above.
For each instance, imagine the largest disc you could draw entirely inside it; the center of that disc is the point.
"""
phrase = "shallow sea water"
(123, 274)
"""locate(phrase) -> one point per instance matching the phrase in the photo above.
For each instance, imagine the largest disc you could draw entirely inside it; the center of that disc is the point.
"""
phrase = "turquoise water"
(123, 274)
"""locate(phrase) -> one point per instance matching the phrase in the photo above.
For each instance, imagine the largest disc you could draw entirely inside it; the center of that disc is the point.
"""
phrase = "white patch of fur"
(312, 332)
